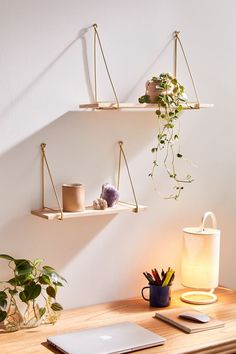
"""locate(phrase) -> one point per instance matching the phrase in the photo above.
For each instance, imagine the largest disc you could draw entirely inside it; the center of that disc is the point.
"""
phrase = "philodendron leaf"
(23, 266)
(12, 281)
(22, 296)
(52, 273)
(37, 262)
(31, 292)
(56, 306)
(3, 295)
(58, 283)
(3, 303)
(3, 315)
(45, 280)
(42, 311)
(51, 291)
(6, 256)
(34, 291)
(21, 280)
(49, 269)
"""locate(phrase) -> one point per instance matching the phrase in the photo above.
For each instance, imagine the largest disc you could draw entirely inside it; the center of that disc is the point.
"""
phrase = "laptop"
(114, 339)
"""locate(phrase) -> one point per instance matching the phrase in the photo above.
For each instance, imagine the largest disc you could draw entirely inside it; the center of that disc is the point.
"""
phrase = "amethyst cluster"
(110, 194)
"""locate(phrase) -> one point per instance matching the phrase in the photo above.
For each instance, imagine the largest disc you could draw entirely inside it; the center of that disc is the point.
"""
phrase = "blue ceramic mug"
(159, 295)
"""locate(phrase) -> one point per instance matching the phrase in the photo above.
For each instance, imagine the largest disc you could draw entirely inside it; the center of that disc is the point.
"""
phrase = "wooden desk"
(223, 340)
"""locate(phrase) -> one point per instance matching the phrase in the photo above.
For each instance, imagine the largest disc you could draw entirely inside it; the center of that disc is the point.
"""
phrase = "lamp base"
(199, 297)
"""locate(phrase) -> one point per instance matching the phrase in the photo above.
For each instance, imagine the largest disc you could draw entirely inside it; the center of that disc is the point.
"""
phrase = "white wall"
(46, 71)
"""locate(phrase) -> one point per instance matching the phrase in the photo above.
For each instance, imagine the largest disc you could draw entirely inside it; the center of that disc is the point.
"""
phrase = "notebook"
(118, 338)
(171, 316)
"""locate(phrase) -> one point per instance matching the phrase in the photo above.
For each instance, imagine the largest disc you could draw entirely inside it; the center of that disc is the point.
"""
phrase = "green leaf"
(175, 90)
(179, 108)
(158, 112)
(3, 303)
(23, 266)
(12, 281)
(34, 291)
(49, 269)
(23, 296)
(42, 311)
(31, 292)
(56, 306)
(174, 81)
(6, 256)
(44, 279)
(144, 99)
(21, 280)
(3, 295)
(58, 283)
(3, 315)
(37, 262)
(13, 292)
(141, 99)
(51, 291)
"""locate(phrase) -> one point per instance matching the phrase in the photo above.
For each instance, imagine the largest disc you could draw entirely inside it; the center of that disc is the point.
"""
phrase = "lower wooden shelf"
(50, 214)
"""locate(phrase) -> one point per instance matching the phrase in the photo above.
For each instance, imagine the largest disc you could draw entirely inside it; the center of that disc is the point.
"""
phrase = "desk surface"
(222, 340)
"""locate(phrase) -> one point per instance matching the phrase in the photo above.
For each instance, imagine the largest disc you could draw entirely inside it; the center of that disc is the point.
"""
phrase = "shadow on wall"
(56, 242)
(81, 35)
(21, 97)
(81, 147)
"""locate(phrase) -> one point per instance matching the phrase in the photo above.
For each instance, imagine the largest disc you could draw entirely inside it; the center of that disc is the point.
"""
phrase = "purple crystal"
(110, 194)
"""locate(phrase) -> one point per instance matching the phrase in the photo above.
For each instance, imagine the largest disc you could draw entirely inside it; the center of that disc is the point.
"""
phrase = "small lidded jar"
(73, 197)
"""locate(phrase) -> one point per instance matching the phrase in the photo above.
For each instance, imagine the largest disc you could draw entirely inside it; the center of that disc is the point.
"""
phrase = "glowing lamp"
(200, 262)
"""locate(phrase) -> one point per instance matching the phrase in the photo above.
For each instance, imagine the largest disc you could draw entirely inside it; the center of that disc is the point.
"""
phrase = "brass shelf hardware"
(48, 213)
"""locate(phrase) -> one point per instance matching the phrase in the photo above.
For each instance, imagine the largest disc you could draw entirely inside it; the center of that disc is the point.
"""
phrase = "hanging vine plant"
(169, 96)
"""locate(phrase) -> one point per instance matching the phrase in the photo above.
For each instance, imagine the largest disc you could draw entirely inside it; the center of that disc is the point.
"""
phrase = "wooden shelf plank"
(89, 211)
(141, 106)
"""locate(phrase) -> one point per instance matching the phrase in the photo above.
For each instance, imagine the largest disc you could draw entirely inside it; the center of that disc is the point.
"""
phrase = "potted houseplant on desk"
(168, 95)
(30, 281)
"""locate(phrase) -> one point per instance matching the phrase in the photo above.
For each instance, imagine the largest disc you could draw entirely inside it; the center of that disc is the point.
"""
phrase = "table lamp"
(200, 262)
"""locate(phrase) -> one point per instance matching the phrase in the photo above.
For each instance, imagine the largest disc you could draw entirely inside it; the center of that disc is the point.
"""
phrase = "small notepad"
(171, 316)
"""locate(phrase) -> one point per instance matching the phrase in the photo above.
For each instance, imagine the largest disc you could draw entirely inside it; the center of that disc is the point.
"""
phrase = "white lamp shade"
(200, 258)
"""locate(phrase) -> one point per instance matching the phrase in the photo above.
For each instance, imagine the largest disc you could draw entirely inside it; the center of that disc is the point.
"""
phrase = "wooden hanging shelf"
(139, 106)
(89, 211)
(52, 214)
(97, 105)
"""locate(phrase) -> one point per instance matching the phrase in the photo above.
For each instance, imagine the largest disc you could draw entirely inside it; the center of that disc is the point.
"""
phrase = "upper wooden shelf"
(140, 106)
(50, 214)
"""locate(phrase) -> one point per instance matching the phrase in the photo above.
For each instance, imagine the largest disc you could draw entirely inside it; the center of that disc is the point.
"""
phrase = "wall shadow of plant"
(80, 36)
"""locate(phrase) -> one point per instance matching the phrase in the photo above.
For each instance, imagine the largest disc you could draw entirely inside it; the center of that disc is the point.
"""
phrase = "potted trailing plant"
(31, 280)
(168, 95)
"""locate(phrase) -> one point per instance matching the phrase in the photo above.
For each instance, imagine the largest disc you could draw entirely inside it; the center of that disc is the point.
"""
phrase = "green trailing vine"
(168, 94)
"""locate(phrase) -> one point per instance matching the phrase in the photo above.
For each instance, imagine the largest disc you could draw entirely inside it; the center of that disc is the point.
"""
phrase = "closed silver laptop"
(114, 339)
